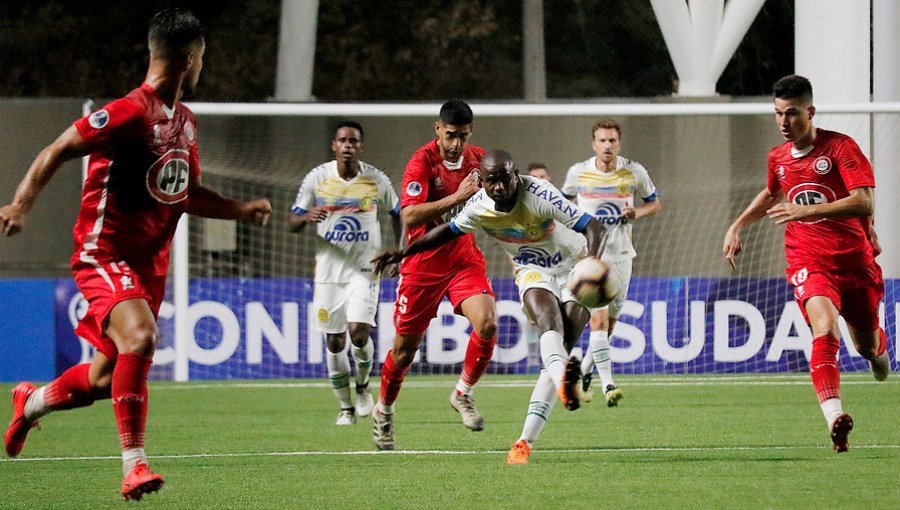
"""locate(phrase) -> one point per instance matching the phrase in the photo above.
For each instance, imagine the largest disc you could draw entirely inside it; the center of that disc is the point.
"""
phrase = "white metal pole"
(296, 50)
(533, 50)
(182, 280)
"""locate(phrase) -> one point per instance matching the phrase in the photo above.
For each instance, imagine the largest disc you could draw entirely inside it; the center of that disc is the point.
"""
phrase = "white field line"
(780, 380)
(461, 452)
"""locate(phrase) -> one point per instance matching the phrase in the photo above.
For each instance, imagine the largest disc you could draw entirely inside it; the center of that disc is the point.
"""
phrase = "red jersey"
(826, 173)
(427, 179)
(144, 156)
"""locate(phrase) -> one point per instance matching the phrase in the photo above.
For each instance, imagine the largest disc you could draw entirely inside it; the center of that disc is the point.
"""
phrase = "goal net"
(250, 288)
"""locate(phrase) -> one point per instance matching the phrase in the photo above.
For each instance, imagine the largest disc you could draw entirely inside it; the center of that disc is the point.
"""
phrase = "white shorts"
(622, 270)
(555, 280)
(340, 303)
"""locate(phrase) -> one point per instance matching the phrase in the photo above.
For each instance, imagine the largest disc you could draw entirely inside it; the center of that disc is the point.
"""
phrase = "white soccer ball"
(592, 283)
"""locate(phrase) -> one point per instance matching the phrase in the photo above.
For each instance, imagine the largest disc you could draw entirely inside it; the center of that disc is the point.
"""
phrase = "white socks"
(130, 458)
(339, 372)
(599, 346)
(35, 407)
(362, 356)
(542, 399)
(832, 408)
(554, 356)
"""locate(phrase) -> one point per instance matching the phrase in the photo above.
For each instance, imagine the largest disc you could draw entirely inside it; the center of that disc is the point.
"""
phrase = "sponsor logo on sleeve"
(99, 119)
(414, 189)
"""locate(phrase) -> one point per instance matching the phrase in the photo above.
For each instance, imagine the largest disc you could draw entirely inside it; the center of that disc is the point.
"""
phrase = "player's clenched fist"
(11, 220)
(258, 211)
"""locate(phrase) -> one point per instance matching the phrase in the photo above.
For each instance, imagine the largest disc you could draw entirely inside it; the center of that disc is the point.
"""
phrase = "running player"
(606, 184)
(144, 173)
(537, 227)
(342, 198)
(439, 178)
(829, 242)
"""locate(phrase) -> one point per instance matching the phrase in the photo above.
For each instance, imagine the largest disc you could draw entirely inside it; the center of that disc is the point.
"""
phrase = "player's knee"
(141, 338)
(488, 330)
(336, 342)
(101, 386)
(403, 356)
(359, 334)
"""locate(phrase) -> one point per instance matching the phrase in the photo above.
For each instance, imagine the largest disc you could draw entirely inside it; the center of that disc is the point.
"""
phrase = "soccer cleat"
(568, 390)
(364, 401)
(19, 426)
(465, 406)
(613, 395)
(140, 481)
(346, 417)
(383, 430)
(519, 453)
(840, 429)
(587, 387)
(881, 365)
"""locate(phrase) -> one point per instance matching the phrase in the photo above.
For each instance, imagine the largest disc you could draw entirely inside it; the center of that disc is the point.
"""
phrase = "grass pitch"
(675, 442)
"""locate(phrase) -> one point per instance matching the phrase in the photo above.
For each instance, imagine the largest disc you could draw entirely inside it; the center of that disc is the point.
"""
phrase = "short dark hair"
(456, 113)
(606, 124)
(350, 124)
(175, 28)
(534, 166)
(793, 86)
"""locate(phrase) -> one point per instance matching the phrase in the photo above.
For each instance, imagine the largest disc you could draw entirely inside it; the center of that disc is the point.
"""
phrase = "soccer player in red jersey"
(143, 174)
(439, 178)
(829, 241)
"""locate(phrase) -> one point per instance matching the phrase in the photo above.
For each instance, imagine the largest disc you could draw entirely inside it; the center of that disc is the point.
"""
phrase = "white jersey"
(606, 194)
(350, 236)
(532, 233)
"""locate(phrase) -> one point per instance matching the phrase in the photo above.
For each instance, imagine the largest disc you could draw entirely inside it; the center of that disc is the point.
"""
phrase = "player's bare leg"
(481, 310)
(823, 318)
(132, 326)
(392, 373)
(872, 345)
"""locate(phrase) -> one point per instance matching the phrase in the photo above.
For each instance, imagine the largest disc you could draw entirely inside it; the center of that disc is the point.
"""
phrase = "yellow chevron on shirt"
(597, 184)
(336, 194)
(521, 225)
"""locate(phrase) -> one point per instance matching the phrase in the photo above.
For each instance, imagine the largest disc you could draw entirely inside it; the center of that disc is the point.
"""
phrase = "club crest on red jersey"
(810, 193)
(822, 165)
(99, 119)
(169, 176)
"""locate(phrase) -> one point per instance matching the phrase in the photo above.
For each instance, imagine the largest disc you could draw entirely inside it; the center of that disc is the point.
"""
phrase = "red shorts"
(106, 282)
(417, 304)
(856, 292)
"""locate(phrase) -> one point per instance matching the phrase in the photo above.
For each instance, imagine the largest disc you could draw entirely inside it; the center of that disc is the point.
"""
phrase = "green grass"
(703, 442)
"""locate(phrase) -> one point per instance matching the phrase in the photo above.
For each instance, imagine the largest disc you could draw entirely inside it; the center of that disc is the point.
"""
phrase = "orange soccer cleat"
(19, 426)
(140, 481)
(519, 453)
(568, 390)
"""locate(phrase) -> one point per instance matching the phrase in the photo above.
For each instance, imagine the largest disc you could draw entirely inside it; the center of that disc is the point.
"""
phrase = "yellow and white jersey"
(606, 194)
(541, 230)
(350, 236)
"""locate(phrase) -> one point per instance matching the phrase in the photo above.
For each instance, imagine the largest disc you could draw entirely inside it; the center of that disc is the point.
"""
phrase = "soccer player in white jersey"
(538, 228)
(606, 185)
(343, 197)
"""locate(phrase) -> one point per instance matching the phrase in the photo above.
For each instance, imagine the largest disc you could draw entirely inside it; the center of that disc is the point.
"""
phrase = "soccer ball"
(592, 283)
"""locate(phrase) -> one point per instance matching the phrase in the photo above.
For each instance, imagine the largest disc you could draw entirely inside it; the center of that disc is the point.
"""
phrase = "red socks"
(391, 381)
(478, 357)
(70, 390)
(824, 369)
(882, 346)
(129, 395)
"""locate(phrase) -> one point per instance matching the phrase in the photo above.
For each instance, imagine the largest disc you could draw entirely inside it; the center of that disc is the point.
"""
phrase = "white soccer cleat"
(346, 417)
(613, 395)
(364, 401)
(465, 406)
(383, 433)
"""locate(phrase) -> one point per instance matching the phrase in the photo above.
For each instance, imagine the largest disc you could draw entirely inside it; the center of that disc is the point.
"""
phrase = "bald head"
(497, 159)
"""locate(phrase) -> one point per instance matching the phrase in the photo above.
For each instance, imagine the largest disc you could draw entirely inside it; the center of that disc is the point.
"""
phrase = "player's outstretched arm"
(432, 239)
(68, 146)
(206, 203)
(420, 214)
(393, 270)
(756, 210)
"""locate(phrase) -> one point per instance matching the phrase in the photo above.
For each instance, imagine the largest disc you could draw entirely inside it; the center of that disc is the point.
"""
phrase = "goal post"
(245, 299)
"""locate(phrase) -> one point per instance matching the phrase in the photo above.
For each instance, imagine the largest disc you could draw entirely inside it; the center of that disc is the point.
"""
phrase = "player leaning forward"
(829, 242)
(538, 228)
(144, 173)
(343, 197)
(607, 185)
